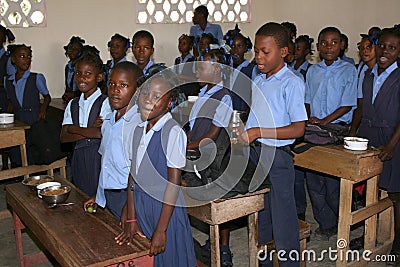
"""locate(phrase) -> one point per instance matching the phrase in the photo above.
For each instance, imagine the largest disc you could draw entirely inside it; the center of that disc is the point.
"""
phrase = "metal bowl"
(34, 181)
(55, 194)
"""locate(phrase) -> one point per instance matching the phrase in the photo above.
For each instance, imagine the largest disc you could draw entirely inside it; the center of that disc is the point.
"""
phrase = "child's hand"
(91, 202)
(129, 230)
(314, 120)
(246, 137)
(67, 96)
(98, 123)
(387, 153)
(158, 241)
(124, 216)
(42, 112)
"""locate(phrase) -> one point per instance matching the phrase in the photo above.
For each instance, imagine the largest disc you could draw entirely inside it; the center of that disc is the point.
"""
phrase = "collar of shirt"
(149, 64)
(94, 96)
(25, 76)
(113, 62)
(70, 66)
(277, 75)
(184, 60)
(131, 113)
(205, 93)
(387, 71)
(336, 63)
(159, 124)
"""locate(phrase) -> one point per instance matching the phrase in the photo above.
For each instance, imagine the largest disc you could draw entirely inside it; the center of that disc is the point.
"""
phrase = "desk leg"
(253, 239)
(346, 189)
(215, 249)
(25, 260)
(370, 223)
(24, 158)
(386, 223)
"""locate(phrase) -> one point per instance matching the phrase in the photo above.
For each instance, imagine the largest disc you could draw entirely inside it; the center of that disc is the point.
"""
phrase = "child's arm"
(211, 134)
(158, 240)
(72, 133)
(388, 149)
(130, 228)
(357, 115)
(331, 117)
(294, 130)
(44, 106)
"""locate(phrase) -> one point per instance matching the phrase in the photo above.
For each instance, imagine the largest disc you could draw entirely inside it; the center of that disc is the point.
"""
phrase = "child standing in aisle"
(331, 95)
(282, 92)
(143, 49)
(72, 50)
(381, 118)
(118, 46)
(23, 91)
(116, 132)
(155, 204)
(82, 121)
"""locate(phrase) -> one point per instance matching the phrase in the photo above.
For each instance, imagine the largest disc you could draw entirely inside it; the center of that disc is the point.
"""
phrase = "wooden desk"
(13, 134)
(224, 210)
(353, 167)
(72, 236)
(58, 103)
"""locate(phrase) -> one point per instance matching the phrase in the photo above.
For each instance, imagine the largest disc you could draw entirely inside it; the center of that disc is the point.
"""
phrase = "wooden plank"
(12, 137)
(370, 210)
(253, 239)
(346, 190)
(370, 223)
(70, 234)
(386, 221)
(215, 248)
(352, 165)
(26, 170)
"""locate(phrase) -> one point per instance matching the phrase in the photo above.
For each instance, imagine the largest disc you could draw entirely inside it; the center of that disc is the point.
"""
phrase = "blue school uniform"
(115, 150)
(70, 84)
(277, 101)
(240, 85)
(327, 89)
(215, 29)
(302, 69)
(162, 147)
(381, 117)
(109, 66)
(24, 96)
(348, 59)
(86, 161)
(181, 68)
(146, 68)
(361, 69)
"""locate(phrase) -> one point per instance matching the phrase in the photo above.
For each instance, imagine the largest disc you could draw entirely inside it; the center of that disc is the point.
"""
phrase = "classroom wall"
(97, 20)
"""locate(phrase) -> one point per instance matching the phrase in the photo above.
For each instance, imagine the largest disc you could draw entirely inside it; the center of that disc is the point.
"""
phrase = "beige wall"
(97, 20)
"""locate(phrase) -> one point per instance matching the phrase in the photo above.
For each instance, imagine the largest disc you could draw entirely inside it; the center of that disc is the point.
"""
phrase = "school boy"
(116, 143)
(143, 49)
(281, 92)
(331, 96)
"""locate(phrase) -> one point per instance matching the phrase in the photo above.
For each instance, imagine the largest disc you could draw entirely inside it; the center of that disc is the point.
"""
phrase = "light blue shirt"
(146, 68)
(348, 59)
(277, 101)
(178, 68)
(112, 66)
(223, 112)
(70, 76)
(362, 68)
(176, 146)
(214, 29)
(20, 85)
(235, 72)
(10, 67)
(297, 73)
(85, 105)
(115, 151)
(331, 87)
(380, 79)
(303, 66)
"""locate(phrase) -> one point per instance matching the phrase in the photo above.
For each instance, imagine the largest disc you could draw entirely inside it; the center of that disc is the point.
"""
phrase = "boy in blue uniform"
(331, 96)
(143, 49)
(116, 143)
(281, 92)
(381, 118)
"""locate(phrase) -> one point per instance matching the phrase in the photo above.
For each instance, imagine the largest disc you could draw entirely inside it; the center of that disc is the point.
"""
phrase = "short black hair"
(202, 10)
(329, 29)
(122, 38)
(307, 40)
(275, 30)
(129, 67)
(290, 28)
(12, 49)
(91, 54)
(143, 34)
(394, 31)
(74, 39)
(343, 37)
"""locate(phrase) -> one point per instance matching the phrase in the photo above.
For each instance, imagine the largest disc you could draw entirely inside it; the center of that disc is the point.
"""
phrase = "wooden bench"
(221, 211)
(304, 233)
